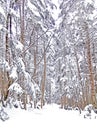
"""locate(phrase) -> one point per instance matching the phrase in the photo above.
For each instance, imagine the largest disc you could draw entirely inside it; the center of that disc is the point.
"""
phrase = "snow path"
(49, 118)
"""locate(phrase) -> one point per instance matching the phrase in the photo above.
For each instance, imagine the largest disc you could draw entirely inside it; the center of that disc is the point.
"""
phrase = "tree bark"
(43, 80)
(80, 79)
(7, 40)
(90, 67)
(22, 25)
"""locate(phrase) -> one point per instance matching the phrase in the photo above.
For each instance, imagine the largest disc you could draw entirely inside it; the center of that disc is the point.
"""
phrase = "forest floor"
(51, 117)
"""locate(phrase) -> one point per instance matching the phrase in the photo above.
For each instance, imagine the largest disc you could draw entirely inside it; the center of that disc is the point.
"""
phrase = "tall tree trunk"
(7, 56)
(8, 42)
(35, 56)
(35, 69)
(22, 25)
(80, 79)
(22, 40)
(8, 52)
(89, 59)
(43, 80)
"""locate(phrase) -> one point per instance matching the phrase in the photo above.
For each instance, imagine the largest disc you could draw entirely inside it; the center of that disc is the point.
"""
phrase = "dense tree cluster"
(47, 57)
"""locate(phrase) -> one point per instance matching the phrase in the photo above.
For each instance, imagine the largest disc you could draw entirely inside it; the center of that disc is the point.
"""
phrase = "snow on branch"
(33, 8)
(2, 12)
(1, 26)
(19, 45)
(12, 11)
(4, 65)
(20, 64)
(16, 88)
(13, 74)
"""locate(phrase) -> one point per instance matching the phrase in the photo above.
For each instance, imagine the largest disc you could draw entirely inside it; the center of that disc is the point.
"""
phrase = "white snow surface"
(48, 118)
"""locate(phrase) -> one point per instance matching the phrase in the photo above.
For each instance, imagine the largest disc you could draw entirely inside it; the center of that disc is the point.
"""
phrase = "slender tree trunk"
(89, 59)
(95, 68)
(8, 42)
(35, 63)
(1, 87)
(8, 52)
(7, 56)
(35, 43)
(43, 80)
(22, 25)
(34, 75)
(22, 40)
(80, 79)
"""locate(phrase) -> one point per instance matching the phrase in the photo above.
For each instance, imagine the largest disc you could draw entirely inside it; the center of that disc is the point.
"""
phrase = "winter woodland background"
(48, 53)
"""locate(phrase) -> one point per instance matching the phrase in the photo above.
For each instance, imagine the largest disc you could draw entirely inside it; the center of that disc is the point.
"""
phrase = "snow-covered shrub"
(31, 88)
(3, 115)
(15, 87)
(14, 95)
(89, 108)
(88, 112)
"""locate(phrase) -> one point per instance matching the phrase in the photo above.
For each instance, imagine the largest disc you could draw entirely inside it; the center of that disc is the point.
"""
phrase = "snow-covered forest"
(48, 54)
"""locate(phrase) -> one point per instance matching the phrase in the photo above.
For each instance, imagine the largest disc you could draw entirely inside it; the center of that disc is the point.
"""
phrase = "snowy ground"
(49, 118)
